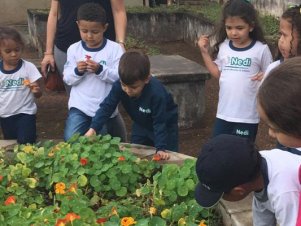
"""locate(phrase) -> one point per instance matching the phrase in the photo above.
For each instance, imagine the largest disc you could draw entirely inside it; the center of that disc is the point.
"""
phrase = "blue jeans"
(144, 136)
(79, 122)
(247, 130)
(21, 127)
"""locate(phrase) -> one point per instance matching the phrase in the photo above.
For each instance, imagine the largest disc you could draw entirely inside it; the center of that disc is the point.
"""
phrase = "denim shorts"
(79, 122)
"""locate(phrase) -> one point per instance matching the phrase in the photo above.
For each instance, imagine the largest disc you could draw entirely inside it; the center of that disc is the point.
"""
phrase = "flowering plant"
(90, 181)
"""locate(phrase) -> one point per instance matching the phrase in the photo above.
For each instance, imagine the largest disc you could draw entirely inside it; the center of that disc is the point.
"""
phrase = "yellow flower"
(114, 211)
(127, 221)
(73, 188)
(60, 188)
(181, 221)
(202, 223)
(28, 149)
(152, 210)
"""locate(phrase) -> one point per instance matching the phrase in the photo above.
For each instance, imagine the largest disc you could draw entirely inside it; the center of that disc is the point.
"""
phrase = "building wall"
(15, 11)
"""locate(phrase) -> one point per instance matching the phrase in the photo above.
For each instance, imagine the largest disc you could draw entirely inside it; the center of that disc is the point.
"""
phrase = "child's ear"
(105, 27)
(147, 79)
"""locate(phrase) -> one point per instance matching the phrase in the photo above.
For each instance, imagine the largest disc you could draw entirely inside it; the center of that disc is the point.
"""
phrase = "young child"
(230, 167)
(91, 69)
(147, 102)
(240, 54)
(289, 42)
(18, 89)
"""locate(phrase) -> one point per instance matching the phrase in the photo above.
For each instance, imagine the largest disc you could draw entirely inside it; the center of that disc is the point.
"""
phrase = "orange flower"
(1, 178)
(126, 221)
(156, 157)
(61, 222)
(121, 158)
(101, 220)
(60, 188)
(10, 200)
(202, 223)
(26, 82)
(71, 217)
(83, 161)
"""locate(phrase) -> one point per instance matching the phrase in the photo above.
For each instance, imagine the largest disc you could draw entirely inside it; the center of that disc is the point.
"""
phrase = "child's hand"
(35, 89)
(81, 66)
(258, 76)
(92, 66)
(163, 154)
(90, 132)
(203, 43)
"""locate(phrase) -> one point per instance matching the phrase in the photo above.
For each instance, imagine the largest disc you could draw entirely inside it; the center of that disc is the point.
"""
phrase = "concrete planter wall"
(167, 26)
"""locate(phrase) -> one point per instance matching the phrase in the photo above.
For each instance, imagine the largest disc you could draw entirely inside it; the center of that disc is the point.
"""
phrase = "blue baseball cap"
(225, 162)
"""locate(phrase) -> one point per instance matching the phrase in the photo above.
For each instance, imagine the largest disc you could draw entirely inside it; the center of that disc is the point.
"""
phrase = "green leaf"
(39, 164)
(94, 181)
(31, 182)
(157, 221)
(142, 222)
(182, 191)
(185, 172)
(22, 157)
(82, 180)
(115, 184)
(190, 184)
(121, 192)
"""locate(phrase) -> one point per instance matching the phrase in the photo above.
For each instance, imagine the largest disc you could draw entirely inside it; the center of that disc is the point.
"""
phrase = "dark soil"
(52, 110)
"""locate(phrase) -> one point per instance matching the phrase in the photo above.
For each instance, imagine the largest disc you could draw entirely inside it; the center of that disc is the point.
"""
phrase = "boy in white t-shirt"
(91, 69)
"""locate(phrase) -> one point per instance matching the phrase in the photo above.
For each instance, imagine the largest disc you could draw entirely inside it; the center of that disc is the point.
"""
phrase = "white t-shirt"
(270, 68)
(282, 191)
(237, 95)
(90, 89)
(15, 97)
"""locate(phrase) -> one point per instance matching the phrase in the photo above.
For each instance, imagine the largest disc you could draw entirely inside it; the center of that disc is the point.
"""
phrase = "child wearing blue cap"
(230, 167)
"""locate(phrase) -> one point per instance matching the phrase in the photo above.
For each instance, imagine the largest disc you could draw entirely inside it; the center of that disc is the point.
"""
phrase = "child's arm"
(109, 72)
(105, 110)
(74, 71)
(203, 44)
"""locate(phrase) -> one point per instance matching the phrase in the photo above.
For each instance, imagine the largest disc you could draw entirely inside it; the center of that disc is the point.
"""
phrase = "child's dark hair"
(244, 10)
(11, 33)
(92, 12)
(133, 66)
(293, 16)
(283, 108)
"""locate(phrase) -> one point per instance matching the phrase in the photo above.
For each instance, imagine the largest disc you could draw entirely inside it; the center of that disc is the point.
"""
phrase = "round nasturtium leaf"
(82, 181)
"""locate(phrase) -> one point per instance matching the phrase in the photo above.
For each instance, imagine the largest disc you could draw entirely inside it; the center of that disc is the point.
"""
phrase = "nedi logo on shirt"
(146, 111)
(240, 62)
(9, 83)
